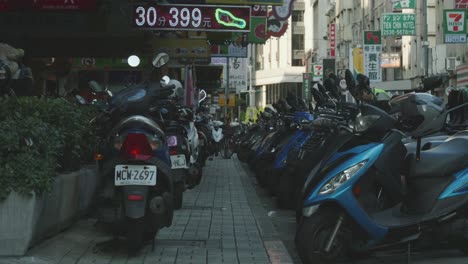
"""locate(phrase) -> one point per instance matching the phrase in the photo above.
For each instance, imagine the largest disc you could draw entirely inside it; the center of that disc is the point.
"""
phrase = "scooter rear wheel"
(134, 235)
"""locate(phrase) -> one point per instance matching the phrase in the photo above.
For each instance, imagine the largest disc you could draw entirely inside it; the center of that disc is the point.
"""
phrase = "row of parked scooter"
(152, 149)
(363, 176)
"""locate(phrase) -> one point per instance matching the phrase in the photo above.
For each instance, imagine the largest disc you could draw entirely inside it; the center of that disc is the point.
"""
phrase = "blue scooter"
(356, 199)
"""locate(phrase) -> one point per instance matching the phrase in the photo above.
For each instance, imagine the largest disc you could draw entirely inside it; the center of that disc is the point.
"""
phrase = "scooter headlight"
(334, 183)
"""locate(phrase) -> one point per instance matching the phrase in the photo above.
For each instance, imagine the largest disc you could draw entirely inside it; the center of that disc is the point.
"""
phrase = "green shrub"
(40, 137)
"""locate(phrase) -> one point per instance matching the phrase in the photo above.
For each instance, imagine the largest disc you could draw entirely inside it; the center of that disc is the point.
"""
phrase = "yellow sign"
(183, 48)
(232, 100)
(222, 100)
(358, 60)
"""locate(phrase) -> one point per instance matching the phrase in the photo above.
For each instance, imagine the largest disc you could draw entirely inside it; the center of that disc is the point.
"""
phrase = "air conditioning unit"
(450, 63)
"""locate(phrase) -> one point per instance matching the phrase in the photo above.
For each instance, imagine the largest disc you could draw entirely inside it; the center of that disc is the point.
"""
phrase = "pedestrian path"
(222, 221)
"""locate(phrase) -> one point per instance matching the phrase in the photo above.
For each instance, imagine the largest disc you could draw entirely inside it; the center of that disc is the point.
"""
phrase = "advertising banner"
(398, 24)
(191, 17)
(306, 85)
(183, 48)
(329, 67)
(358, 61)
(461, 4)
(454, 26)
(228, 51)
(372, 51)
(390, 60)
(44, 5)
(404, 4)
(238, 74)
(332, 40)
(317, 72)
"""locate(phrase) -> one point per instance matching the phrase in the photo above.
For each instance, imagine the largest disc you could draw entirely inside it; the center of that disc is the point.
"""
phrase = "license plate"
(135, 175)
(178, 162)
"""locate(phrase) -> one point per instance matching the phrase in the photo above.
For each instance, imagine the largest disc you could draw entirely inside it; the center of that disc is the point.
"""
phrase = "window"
(298, 16)
(298, 42)
(297, 62)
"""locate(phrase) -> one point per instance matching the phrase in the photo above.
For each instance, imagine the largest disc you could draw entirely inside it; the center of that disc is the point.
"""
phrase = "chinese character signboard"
(329, 67)
(372, 51)
(390, 60)
(461, 4)
(228, 51)
(455, 26)
(317, 72)
(238, 74)
(192, 17)
(403, 4)
(356, 61)
(306, 85)
(332, 40)
(398, 24)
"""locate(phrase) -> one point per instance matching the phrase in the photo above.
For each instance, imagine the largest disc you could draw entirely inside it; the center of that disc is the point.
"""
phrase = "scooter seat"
(440, 161)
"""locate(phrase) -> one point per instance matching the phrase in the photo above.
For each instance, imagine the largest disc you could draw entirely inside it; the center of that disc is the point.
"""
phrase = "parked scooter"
(355, 198)
(136, 197)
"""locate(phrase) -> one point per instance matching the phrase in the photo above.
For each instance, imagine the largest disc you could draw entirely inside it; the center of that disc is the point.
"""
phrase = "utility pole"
(226, 88)
(425, 43)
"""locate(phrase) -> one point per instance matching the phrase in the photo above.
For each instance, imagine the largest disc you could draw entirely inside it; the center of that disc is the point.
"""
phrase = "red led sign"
(192, 17)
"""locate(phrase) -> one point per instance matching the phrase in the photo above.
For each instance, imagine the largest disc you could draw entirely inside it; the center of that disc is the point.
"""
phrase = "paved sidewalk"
(222, 221)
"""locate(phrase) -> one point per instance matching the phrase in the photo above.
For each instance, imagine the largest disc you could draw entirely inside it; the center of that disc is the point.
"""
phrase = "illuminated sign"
(192, 17)
(228, 2)
(76, 5)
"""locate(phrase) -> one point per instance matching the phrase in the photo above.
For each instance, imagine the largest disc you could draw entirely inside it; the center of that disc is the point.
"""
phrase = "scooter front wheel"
(313, 235)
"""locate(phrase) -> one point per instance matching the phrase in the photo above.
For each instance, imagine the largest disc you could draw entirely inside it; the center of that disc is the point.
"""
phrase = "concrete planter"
(24, 221)
(18, 218)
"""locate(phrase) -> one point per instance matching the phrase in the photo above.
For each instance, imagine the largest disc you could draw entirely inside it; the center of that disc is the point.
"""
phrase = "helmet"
(178, 90)
(419, 113)
(269, 112)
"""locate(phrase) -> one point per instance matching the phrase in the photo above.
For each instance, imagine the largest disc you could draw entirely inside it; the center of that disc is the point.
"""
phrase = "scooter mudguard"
(135, 208)
(343, 195)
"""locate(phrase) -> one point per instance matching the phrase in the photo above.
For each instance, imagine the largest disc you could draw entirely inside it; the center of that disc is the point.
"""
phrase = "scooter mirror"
(179, 92)
(160, 60)
(201, 96)
(80, 99)
(95, 87)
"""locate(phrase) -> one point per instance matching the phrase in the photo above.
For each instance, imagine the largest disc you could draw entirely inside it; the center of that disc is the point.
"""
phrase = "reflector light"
(136, 147)
(172, 141)
(173, 151)
(135, 197)
(98, 156)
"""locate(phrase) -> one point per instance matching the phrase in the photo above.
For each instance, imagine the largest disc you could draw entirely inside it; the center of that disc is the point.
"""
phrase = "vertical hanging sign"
(332, 40)
(372, 52)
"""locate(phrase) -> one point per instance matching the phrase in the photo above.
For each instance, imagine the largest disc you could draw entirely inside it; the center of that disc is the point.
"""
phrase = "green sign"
(306, 85)
(397, 24)
(404, 4)
(257, 30)
(372, 38)
(455, 26)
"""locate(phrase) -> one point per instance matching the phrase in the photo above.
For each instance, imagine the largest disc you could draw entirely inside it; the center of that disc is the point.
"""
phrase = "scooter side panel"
(299, 139)
(344, 195)
(458, 187)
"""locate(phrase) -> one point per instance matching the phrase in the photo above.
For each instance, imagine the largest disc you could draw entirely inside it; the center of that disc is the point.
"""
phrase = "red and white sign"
(462, 76)
(259, 11)
(461, 4)
(332, 40)
(317, 72)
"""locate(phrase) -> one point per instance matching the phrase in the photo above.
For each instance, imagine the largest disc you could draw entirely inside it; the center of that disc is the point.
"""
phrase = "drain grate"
(180, 243)
(203, 208)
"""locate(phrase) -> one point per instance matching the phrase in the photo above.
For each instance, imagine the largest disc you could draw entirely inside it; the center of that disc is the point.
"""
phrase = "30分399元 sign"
(192, 17)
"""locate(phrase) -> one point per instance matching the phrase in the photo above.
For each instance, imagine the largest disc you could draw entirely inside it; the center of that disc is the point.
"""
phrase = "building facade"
(278, 69)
